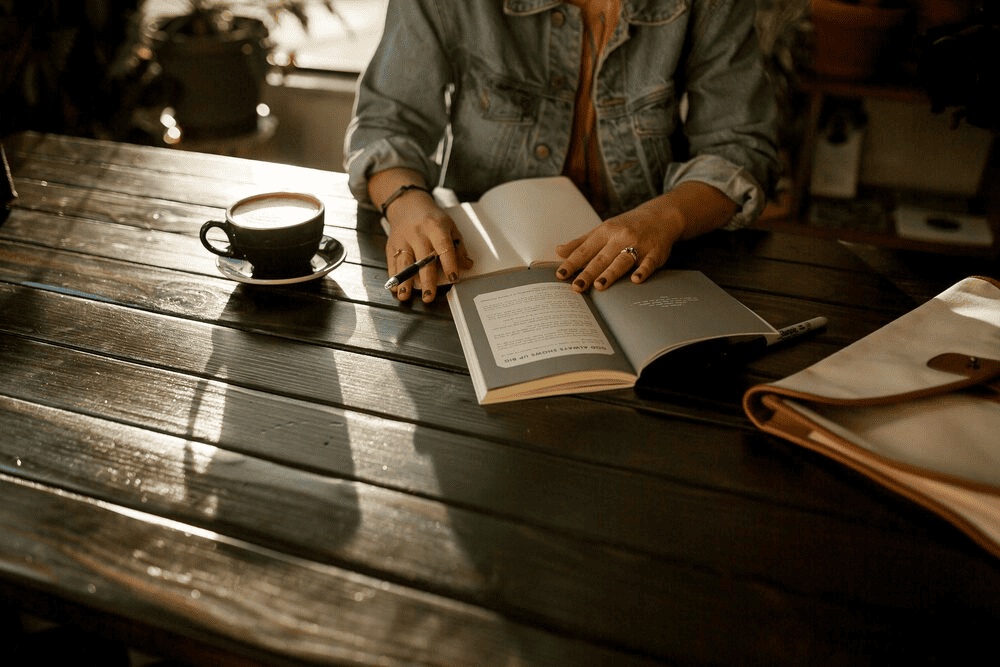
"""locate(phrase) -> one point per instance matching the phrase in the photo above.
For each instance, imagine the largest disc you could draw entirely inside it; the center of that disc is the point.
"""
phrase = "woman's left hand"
(650, 230)
(602, 256)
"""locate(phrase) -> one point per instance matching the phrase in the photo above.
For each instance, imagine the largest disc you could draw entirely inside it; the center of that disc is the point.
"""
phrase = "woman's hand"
(418, 227)
(649, 230)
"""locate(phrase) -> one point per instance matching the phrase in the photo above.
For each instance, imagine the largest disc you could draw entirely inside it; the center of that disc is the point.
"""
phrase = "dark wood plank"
(535, 574)
(923, 275)
(115, 558)
(106, 165)
(311, 311)
(570, 496)
(706, 449)
(142, 243)
(164, 215)
(337, 521)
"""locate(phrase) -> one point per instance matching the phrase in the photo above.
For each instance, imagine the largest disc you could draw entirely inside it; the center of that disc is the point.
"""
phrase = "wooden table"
(234, 474)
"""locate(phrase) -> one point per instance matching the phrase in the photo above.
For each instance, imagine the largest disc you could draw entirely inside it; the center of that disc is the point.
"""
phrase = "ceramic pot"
(216, 80)
(854, 41)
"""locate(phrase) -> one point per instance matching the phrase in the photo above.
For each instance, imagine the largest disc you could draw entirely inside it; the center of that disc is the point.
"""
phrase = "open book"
(915, 406)
(527, 334)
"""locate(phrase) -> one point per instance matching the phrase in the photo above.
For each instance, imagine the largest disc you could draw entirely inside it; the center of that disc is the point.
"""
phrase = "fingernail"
(601, 282)
(562, 273)
(579, 283)
(453, 277)
(401, 291)
(428, 295)
(636, 276)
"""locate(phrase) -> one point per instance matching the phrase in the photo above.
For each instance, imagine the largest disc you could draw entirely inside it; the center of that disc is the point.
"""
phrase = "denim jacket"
(501, 75)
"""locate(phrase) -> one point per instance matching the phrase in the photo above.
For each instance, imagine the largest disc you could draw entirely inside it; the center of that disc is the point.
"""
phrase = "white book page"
(512, 351)
(489, 250)
(534, 322)
(537, 214)
(519, 224)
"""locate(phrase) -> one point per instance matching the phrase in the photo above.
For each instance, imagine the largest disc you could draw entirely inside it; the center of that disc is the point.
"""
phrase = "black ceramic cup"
(277, 233)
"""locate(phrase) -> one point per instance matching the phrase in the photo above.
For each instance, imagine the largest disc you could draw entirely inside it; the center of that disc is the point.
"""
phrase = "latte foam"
(274, 212)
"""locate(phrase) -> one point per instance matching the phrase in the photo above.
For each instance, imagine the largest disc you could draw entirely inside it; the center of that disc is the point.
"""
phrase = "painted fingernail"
(562, 273)
(579, 283)
(601, 282)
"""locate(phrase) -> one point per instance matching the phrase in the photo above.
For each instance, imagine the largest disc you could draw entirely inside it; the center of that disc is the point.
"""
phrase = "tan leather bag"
(914, 406)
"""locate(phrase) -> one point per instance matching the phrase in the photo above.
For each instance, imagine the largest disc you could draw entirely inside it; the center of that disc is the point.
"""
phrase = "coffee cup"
(277, 233)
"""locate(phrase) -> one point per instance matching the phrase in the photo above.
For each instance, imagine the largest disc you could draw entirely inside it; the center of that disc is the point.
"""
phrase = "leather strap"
(984, 373)
(978, 369)
(400, 191)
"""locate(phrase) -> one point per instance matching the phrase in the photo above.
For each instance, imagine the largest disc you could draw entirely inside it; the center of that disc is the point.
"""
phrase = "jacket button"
(557, 82)
(558, 18)
(541, 151)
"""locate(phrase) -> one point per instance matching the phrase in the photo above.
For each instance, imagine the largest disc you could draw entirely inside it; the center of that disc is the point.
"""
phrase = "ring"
(631, 251)
(399, 252)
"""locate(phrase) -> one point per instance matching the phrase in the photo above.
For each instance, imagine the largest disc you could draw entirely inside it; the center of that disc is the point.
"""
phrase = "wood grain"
(302, 475)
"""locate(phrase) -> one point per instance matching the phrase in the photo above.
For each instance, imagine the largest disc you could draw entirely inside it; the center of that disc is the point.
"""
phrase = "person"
(593, 89)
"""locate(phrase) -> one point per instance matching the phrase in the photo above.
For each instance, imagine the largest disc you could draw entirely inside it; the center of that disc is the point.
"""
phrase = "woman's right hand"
(419, 227)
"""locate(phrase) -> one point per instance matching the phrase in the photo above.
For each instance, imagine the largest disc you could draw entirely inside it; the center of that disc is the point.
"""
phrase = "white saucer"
(331, 254)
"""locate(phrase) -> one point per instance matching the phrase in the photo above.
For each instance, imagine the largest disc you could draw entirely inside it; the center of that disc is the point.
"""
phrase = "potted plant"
(63, 65)
(214, 59)
(855, 37)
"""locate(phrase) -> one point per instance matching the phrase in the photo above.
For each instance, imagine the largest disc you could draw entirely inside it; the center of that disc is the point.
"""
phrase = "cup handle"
(224, 226)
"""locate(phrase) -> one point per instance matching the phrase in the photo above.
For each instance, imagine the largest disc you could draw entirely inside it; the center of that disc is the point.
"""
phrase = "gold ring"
(399, 252)
(631, 251)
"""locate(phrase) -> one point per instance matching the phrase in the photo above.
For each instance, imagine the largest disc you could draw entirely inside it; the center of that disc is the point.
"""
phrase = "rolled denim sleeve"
(731, 121)
(400, 113)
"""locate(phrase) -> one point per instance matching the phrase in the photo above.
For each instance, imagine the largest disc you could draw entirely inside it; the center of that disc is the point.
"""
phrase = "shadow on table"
(253, 405)
(468, 546)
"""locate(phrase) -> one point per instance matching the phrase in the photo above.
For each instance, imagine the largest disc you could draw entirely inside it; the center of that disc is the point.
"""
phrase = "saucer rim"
(226, 266)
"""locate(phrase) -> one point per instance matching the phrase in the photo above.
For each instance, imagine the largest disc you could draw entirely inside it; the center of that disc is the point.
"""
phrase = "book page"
(671, 309)
(518, 355)
(535, 322)
(490, 251)
(537, 214)
(518, 224)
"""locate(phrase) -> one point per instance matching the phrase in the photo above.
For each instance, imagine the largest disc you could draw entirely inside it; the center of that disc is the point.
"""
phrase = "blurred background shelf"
(908, 159)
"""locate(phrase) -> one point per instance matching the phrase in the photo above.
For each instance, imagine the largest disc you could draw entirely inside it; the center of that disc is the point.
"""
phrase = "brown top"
(583, 164)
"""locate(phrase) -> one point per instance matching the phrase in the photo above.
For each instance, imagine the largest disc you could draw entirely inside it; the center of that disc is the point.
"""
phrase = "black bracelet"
(402, 190)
